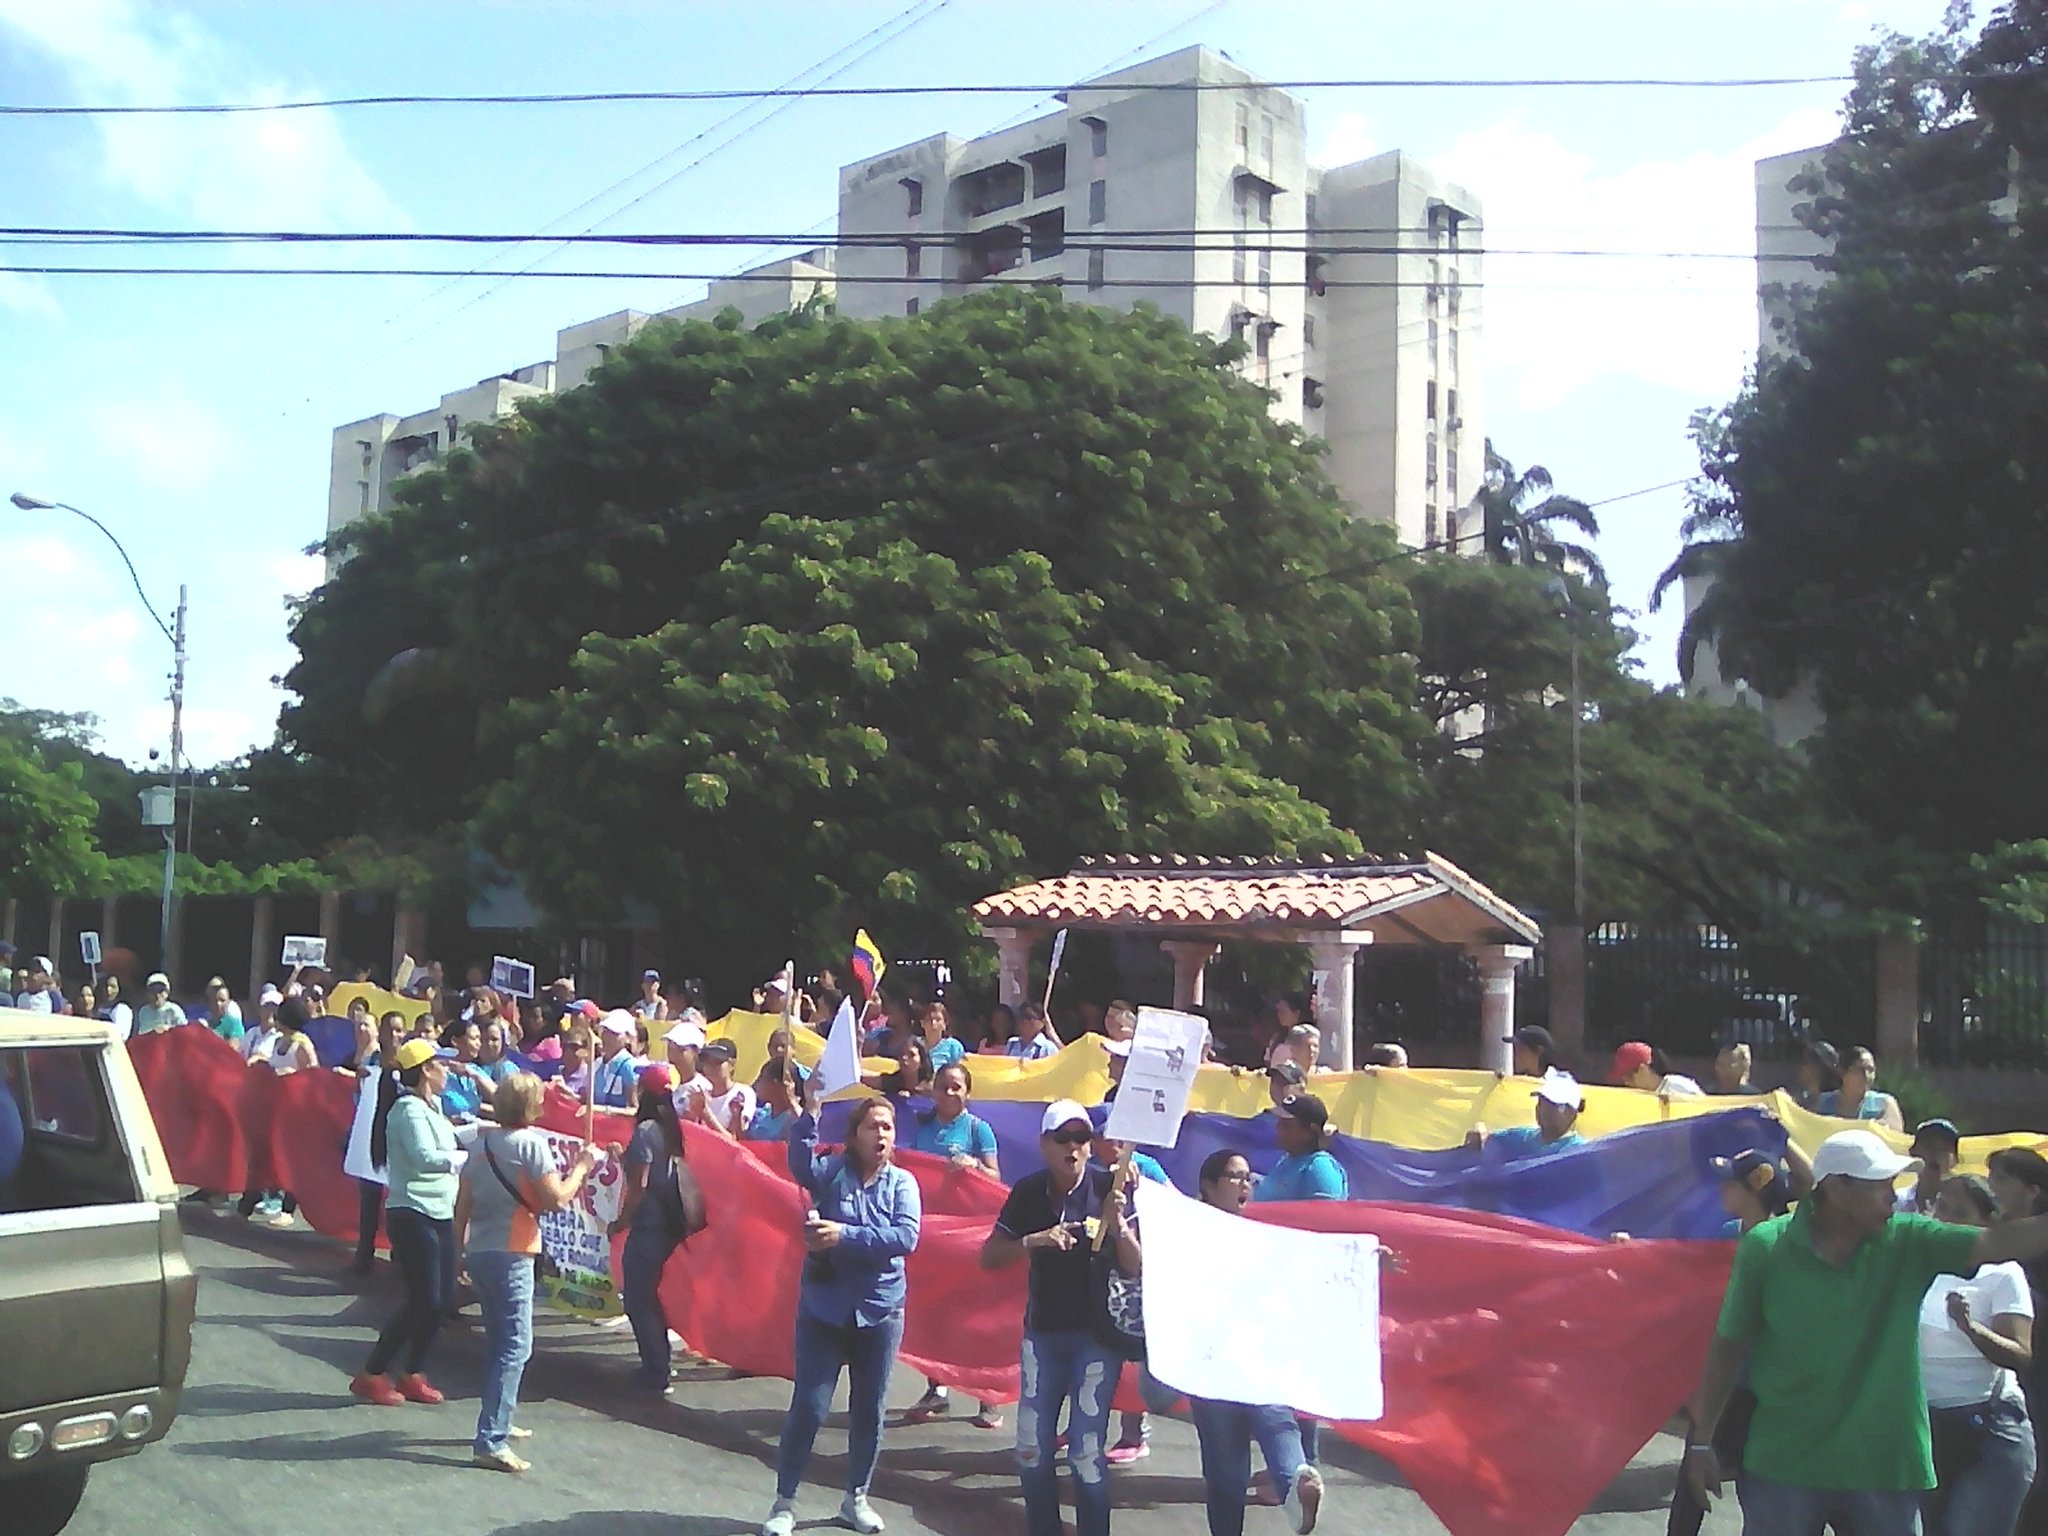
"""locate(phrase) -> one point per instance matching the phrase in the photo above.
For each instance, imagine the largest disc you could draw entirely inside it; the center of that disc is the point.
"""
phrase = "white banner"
(1152, 1099)
(1229, 1301)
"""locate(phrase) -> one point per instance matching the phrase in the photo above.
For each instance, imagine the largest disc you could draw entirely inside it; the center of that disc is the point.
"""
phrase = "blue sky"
(193, 415)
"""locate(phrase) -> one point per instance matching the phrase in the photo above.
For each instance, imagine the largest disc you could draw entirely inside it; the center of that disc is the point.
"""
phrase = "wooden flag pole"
(1120, 1180)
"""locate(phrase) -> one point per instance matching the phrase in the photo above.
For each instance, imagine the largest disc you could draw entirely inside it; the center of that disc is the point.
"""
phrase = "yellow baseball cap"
(414, 1053)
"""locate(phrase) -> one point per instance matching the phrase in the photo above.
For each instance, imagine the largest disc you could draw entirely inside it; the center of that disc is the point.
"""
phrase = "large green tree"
(1689, 812)
(1874, 515)
(46, 823)
(782, 626)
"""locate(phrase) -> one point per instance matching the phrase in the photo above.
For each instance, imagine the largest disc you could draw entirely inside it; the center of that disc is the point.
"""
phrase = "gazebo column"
(1191, 959)
(1332, 958)
(1013, 965)
(1497, 964)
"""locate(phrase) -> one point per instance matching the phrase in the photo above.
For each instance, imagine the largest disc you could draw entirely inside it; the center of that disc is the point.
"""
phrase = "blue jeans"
(420, 1245)
(1782, 1509)
(1226, 1432)
(504, 1285)
(1984, 1498)
(1057, 1367)
(823, 1350)
(645, 1255)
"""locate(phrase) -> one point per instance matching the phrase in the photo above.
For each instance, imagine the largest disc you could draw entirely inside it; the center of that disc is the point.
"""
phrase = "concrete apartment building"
(371, 456)
(1785, 253)
(1203, 203)
(1350, 287)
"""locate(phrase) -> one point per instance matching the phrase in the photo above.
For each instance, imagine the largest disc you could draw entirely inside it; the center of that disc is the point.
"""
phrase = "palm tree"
(1521, 515)
(1710, 534)
(1708, 537)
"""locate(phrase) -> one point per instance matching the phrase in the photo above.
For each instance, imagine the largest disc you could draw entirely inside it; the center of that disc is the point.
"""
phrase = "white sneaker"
(781, 1519)
(1305, 1500)
(856, 1514)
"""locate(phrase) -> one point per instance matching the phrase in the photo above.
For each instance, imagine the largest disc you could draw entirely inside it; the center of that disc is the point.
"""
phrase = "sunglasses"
(1073, 1138)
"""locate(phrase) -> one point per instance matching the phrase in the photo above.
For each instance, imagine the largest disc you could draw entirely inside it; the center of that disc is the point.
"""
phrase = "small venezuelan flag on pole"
(867, 964)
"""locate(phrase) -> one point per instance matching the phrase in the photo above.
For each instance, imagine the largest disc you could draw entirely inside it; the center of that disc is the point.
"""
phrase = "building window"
(1429, 397)
(1451, 299)
(1265, 268)
(1451, 529)
(1098, 137)
(1244, 129)
(1429, 525)
(1098, 201)
(1263, 342)
(1451, 477)
(913, 261)
(1237, 259)
(911, 307)
(1266, 138)
(368, 451)
(1238, 320)
(1454, 349)
(1094, 270)
(363, 495)
(1432, 343)
(1309, 213)
(913, 197)
(1450, 408)
(1266, 206)
(1308, 330)
(1312, 394)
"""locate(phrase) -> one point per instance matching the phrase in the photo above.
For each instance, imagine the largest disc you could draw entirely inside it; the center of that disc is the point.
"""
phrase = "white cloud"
(26, 295)
(1350, 139)
(295, 167)
(1553, 323)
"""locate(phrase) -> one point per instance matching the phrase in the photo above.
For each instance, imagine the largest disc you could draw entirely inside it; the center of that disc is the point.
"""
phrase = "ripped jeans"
(1057, 1366)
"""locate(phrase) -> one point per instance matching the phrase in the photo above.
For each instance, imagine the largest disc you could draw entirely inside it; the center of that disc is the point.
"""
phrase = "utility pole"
(177, 769)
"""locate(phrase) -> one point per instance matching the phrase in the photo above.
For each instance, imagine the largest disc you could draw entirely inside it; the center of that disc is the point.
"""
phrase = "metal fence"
(1984, 995)
(1693, 988)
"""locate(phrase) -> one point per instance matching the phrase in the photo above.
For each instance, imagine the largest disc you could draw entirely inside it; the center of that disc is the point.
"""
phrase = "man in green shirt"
(1823, 1306)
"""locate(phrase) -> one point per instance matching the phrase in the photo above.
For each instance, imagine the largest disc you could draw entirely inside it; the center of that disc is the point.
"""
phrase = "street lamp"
(175, 633)
(1561, 589)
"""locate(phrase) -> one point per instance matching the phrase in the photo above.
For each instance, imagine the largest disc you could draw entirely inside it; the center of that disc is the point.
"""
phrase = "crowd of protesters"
(1873, 1370)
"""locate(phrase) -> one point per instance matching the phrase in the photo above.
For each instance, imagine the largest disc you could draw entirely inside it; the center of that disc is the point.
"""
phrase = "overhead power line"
(764, 93)
(1322, 241)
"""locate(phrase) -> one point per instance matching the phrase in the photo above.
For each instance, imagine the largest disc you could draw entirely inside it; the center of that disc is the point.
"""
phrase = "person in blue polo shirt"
(966, 1141)
(1559, 1098)
(1306, 1171)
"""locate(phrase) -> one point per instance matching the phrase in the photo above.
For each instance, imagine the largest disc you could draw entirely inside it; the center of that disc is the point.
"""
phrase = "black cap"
(720, 1050)
(1287, 1072)
(1938, 1130)
(1535, 1036)
(1308, 1109)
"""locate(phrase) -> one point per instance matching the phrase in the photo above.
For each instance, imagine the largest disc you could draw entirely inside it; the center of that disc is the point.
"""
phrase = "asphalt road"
(268, 1441)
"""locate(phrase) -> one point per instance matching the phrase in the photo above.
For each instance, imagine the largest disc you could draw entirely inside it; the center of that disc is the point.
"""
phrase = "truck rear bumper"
(79, 1433)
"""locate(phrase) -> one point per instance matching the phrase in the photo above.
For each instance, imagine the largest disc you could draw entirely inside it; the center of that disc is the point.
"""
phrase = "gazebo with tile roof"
(1331, 908)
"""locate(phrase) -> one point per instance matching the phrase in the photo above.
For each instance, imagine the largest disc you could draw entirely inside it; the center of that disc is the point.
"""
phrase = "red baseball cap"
(1632, 1054)
(658, 1078)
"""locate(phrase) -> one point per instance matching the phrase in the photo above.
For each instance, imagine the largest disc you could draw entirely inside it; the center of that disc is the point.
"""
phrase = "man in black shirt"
(1051, 1218)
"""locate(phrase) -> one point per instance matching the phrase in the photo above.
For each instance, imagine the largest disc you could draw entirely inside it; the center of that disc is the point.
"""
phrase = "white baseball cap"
(157, 979)
(270, 994)
(617, 1022)
(1562, 1089)
(1117, 1047)
(1063, 1112)
(685, 1033)
(1860, 1155)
